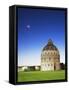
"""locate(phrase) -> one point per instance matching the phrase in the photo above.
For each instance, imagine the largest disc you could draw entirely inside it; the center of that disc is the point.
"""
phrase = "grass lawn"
(39, 75)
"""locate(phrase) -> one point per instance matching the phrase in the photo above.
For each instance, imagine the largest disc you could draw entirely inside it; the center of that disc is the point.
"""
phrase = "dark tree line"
(62, 66)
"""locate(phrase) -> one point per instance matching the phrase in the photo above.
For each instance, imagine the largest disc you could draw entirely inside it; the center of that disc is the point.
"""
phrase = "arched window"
(48, 53)
(49, 58)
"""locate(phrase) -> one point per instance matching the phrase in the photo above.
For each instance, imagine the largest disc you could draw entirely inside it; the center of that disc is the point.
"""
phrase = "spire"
(50, 46)
(50, 42)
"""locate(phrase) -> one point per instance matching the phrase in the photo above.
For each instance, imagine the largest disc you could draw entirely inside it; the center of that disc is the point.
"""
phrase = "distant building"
(28, 68)
(50, 57)
(24, 68)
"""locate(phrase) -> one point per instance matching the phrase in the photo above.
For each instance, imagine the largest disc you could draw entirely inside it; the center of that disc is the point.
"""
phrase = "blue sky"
(35, 27)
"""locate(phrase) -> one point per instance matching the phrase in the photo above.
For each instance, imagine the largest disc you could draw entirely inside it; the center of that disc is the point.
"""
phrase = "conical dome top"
(50, 42)
(50, 46)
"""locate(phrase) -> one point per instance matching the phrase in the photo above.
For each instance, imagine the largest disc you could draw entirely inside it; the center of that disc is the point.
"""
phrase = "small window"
(49, 58)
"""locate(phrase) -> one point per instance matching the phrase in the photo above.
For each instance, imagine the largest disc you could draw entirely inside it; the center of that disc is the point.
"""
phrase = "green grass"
(38, 75)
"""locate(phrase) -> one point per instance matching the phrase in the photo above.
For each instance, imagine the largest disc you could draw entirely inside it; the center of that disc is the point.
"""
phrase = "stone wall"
(50, 60)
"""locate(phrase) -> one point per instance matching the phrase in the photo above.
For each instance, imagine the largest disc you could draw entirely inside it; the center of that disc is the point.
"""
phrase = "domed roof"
(50, 46)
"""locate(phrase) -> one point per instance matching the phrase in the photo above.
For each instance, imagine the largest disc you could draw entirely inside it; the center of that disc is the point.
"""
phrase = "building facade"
(50, 57)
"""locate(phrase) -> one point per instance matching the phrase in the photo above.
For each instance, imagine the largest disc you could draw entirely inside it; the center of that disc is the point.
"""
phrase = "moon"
(28, 26)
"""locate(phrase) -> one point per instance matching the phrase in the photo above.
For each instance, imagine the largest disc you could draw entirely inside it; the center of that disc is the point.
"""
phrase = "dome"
(50, 57)
(50, 46)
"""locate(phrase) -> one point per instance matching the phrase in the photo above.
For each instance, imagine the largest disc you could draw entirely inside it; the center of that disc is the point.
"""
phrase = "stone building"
(50, 57)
